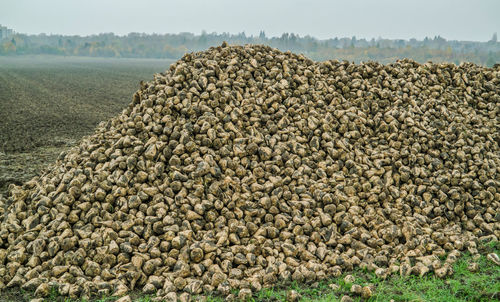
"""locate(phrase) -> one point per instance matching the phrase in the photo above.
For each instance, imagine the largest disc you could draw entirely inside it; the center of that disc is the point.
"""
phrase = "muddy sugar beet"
(241, 167)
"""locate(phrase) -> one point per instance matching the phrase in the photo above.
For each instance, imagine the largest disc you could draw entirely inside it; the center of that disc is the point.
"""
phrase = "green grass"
(136, 297)
(464, 285)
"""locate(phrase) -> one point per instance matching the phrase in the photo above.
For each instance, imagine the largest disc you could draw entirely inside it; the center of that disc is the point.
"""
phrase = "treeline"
(173, 46)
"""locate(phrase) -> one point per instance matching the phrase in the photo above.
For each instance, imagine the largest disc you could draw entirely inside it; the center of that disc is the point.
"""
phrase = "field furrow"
(48, 103)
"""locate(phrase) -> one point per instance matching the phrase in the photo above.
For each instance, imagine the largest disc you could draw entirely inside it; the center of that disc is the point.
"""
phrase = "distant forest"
(173, 46)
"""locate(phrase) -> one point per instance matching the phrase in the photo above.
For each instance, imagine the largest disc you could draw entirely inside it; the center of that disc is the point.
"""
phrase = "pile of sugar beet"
(243, 167)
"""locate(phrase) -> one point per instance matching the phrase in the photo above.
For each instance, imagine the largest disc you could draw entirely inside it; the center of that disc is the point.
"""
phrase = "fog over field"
(323, 19)
(382, 31)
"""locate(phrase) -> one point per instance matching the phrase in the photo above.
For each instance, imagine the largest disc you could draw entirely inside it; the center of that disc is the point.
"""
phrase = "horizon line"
(379, 38)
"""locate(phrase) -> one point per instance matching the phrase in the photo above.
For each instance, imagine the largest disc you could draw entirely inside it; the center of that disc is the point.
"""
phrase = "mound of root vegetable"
(243, 166)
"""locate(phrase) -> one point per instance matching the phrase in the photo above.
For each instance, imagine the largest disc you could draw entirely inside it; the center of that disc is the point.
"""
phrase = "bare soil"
(48, 103)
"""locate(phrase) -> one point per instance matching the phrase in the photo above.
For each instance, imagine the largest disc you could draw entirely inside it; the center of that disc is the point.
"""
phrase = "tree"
(494, 39)
(491, 60)
(9, 47)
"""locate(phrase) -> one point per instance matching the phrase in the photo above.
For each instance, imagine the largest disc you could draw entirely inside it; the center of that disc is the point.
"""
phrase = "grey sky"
(452, 19)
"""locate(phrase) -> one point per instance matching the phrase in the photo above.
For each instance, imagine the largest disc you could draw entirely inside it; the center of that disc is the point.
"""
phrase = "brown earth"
(48, 103)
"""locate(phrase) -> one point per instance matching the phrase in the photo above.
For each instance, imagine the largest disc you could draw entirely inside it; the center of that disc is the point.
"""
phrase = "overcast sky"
(452, 19)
